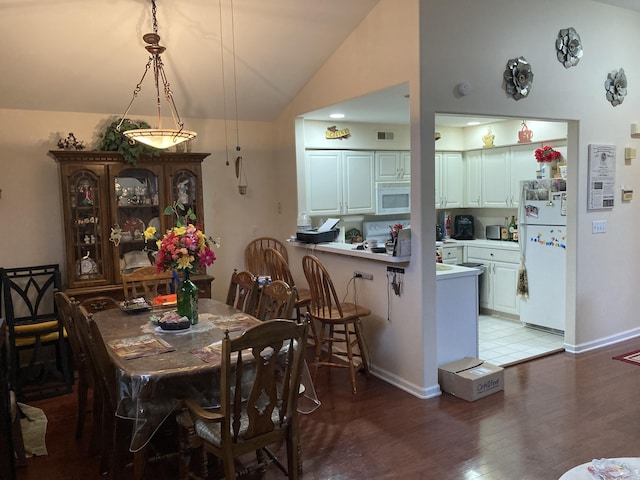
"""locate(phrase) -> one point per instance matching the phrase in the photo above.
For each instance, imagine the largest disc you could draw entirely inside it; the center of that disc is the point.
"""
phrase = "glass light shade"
(159, 137)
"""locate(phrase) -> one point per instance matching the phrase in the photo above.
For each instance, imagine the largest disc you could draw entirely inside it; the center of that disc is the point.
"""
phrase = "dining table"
(156, 368)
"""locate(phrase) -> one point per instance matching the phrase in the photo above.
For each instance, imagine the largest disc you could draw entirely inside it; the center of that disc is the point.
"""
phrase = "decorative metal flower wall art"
(616, 86)
(569, 47)
(518, 78)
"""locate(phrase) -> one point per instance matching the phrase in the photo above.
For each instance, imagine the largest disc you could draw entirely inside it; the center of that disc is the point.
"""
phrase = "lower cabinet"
(499, 282)
(452, 255)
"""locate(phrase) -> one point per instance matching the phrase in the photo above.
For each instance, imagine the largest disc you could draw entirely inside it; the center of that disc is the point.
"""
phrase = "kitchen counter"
(446, 272)
(481, 242)
(350, 250)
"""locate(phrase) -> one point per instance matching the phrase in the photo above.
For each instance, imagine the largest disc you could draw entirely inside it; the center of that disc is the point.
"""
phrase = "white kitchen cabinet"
(449, 180)
(452, 254)
(393, 166)
(340, 182)
(502, 170)
(472, 177)
(498, 283)
(523, 167)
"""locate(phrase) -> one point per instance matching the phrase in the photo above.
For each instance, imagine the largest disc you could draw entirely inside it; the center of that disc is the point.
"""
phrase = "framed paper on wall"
(602, 177)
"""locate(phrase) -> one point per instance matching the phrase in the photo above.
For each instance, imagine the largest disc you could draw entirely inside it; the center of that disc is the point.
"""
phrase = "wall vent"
(385, 135)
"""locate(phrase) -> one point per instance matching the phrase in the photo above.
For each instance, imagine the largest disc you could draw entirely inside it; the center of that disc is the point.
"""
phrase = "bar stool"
(336, 320)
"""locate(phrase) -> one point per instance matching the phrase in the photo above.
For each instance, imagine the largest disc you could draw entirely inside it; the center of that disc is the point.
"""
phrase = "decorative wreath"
(569, 47)
(616, 87)
(518, 78)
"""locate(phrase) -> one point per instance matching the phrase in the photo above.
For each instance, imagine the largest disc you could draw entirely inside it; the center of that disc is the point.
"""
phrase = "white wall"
(601, 281)
(31, 204)
(382, 52)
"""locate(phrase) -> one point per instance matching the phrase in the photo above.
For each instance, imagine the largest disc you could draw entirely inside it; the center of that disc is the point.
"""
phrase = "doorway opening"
(482, 164)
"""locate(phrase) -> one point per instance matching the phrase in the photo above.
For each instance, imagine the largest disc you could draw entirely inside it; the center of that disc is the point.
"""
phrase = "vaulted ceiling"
(88, 56)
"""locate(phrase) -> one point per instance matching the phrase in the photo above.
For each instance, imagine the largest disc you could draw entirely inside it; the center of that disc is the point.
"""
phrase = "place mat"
(233, 323)
(141, 346)
(631, 357)
(211, 353)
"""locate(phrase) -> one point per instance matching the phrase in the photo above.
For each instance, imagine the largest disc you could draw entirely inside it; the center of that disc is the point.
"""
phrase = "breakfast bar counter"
(348, 249)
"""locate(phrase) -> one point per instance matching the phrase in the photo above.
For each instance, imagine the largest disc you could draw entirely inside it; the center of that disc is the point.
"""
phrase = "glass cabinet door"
(184, 189)
(86, 251)
(138, 204)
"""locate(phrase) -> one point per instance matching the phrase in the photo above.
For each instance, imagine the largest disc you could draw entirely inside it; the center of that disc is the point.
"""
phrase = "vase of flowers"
(547, 159)
(184, 248)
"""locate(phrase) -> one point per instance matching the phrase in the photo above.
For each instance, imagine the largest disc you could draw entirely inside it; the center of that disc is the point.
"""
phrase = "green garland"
(112, 140)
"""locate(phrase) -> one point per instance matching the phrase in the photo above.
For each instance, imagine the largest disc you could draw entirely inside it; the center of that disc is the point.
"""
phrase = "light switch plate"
(599, 226)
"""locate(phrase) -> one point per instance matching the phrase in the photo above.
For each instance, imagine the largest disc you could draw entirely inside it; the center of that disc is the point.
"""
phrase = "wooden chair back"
(243, 291)
(29, 307)
(146, 282)
(277, 266)
(277, 300)
(65, 311)
(254, 254)
(324, 300)
(260, 382)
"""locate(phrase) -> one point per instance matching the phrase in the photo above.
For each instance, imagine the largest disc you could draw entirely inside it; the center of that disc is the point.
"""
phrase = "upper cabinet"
(449, 180)
(339, 182)
(108, 204)
(502, 169)
(393, 166)
(472, 178)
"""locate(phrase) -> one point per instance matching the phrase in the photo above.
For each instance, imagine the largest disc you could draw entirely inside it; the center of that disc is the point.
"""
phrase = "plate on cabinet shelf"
(86, 266)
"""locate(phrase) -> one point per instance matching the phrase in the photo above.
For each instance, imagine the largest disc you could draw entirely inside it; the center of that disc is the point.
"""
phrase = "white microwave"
(393, 198)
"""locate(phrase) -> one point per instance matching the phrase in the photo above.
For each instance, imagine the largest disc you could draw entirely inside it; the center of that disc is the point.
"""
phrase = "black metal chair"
(40, 359)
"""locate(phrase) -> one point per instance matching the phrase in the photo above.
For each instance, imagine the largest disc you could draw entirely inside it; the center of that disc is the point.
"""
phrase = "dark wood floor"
(556, 412)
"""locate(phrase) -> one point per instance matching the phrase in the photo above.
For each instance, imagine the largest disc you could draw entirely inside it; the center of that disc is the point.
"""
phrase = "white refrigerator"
(542, 232)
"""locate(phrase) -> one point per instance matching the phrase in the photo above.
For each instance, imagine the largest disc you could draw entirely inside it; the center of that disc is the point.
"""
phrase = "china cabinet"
(107, 206)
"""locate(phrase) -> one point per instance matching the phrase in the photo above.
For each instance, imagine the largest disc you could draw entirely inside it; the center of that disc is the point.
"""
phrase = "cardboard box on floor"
(470, 378)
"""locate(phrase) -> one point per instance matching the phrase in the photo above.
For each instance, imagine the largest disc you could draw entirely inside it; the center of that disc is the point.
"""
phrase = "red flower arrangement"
(395, 229)
(547, 154)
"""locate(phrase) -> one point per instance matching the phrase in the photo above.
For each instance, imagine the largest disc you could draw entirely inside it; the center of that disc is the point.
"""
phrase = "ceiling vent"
(385, 135)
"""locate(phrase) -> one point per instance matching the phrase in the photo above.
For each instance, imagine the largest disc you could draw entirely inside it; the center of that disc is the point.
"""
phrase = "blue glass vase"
(188, 299)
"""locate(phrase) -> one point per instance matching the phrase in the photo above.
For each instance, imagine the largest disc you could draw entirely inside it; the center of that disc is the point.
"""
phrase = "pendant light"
(159, 137)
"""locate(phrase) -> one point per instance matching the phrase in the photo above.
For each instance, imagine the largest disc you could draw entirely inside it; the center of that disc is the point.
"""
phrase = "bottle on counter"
(515, 232)
(304, 222)
(512, 227)
(448, 227)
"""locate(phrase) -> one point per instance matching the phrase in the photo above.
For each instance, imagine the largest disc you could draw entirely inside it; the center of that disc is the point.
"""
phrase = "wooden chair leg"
(363, 354)
(352, 368)
(82, 394)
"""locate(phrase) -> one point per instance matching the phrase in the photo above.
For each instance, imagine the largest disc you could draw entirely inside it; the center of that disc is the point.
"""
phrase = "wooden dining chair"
(260, 381)
(36, 333)
(243, 291)
(277, 300)
(336, 320)
(254, 254)
(278, 269)
(147, 282)
(116, 431)
(84, 375)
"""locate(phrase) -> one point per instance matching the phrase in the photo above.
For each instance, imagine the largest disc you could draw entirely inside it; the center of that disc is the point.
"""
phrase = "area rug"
(631, 357)
(34, 429)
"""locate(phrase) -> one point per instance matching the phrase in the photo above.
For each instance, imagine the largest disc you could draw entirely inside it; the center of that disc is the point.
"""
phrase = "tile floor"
(505, 341)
